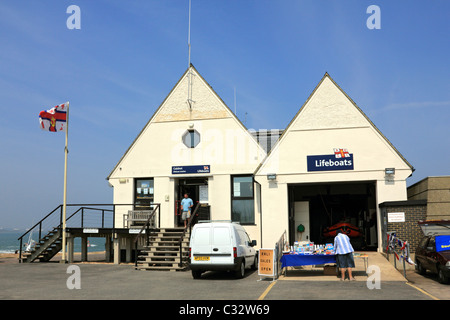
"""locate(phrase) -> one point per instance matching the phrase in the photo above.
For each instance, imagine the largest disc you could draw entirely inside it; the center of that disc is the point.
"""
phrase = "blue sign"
(341, 160)
(190, 169)
(442, 243)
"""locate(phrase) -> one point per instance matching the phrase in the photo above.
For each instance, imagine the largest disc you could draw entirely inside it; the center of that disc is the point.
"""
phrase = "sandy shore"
(98, 256)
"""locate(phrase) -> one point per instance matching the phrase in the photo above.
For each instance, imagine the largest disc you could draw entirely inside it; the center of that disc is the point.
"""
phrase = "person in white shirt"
(344, 254)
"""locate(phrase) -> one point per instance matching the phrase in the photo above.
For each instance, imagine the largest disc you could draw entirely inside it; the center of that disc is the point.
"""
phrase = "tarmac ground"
(107, 281)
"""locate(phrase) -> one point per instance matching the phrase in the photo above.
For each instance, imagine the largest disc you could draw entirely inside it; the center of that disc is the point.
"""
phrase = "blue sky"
(118, 68)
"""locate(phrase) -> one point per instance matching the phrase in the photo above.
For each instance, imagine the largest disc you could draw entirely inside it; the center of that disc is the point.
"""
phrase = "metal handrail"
(59, 226)
(188, 226)
(146, 226)
(279, 251)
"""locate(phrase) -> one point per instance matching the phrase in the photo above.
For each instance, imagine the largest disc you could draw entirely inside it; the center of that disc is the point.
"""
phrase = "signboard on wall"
(396, 217)
(340, 160)
(190, 169)
(203, 193)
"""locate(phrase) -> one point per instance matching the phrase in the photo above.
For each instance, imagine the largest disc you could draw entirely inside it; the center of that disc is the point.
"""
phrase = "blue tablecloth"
(294, 260)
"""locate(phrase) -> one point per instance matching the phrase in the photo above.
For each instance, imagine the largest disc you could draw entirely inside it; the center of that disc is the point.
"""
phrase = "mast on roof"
(189, 99)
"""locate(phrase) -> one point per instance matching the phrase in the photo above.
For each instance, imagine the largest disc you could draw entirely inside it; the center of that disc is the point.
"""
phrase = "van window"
(423, 242)
(243, 237)
(221, 236)
(202, 236)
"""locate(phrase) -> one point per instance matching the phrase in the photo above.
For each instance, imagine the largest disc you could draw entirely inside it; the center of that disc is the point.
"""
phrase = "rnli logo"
(341, 159)
(341, 153)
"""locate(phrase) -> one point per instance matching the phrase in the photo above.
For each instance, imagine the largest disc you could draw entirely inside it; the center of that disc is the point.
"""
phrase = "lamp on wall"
(389, 174)
(272, 176)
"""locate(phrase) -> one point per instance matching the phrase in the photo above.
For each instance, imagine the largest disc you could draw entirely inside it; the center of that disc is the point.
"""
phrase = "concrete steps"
(163, 253)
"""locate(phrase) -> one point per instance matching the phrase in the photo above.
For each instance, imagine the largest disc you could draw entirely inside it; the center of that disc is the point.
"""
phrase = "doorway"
(317, 210)
(196, 188)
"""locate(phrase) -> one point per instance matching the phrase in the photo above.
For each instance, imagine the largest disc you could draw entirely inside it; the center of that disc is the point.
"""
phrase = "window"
(191, 138)
(143, 194)
(242, 199)
(423, 242)
(432, 244)
(245, 239)
(201, 237)
(221, 236)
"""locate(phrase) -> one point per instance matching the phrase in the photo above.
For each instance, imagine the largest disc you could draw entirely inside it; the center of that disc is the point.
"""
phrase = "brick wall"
(409, 230)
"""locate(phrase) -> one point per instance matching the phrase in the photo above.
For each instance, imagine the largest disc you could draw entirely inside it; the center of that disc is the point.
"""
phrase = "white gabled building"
(194, 143)
(331, 164)
(201, 148)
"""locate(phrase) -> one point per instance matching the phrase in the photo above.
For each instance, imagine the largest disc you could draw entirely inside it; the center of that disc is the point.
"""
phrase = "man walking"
(186, 205)
(344, 254)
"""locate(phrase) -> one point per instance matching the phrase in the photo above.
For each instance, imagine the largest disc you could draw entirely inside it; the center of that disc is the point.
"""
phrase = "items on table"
(307, 247)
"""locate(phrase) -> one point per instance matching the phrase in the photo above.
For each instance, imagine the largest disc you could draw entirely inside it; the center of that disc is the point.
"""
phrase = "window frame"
(252, 197)
(191, 134)
(136, 206)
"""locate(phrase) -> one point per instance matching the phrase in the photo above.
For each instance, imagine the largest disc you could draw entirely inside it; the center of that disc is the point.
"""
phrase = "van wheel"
(196, 274)
(241, 271)
(255, 263)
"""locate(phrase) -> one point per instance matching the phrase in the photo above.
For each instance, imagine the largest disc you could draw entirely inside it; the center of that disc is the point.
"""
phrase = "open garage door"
(316, 211)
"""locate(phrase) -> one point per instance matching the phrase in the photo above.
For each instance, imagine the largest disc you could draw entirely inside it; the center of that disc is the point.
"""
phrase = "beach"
(93, 257)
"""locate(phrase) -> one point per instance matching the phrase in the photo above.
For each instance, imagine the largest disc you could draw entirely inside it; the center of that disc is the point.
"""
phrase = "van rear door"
(201, 245)
(222, 248)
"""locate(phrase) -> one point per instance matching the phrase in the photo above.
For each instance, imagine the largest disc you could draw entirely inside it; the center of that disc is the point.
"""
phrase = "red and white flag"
(55, 119)
(341, 153)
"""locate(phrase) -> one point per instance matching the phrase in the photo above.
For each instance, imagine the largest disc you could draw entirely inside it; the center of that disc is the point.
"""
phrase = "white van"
(221, 246)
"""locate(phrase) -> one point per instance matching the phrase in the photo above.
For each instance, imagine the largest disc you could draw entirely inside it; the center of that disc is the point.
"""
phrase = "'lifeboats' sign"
(340, 160)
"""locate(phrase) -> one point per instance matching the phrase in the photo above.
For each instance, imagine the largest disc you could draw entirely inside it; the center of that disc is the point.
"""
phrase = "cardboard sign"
(266, 262)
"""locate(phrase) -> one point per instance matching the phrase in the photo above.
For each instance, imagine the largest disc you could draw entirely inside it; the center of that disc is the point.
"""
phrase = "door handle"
(215, 249)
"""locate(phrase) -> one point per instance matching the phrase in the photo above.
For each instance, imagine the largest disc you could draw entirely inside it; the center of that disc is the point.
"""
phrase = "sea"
(10, 244)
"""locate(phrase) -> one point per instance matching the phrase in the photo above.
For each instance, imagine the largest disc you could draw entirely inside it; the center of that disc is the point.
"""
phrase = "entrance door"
(191, 186)
(301, 217)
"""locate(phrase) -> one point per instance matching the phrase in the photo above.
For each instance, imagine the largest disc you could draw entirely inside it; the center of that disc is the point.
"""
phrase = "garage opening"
(316, 211)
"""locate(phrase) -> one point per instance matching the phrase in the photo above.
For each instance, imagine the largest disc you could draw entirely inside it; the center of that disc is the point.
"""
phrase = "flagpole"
(66, 151)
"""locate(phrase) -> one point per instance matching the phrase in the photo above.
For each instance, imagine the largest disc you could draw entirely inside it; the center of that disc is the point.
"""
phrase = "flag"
(341, 153)
(55, 119)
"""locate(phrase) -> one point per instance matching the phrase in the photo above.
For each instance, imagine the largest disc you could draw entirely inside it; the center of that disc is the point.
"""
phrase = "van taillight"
(234, 252)
(190, 249)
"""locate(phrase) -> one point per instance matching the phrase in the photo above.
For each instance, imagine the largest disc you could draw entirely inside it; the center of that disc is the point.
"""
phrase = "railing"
(392, 243)
(191, 222)
(279, 248)
(81, 217)
(54, 220)
(136, 217)
(146, 228)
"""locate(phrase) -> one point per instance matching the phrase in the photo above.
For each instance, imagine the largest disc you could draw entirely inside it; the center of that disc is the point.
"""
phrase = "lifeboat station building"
(330, 165)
